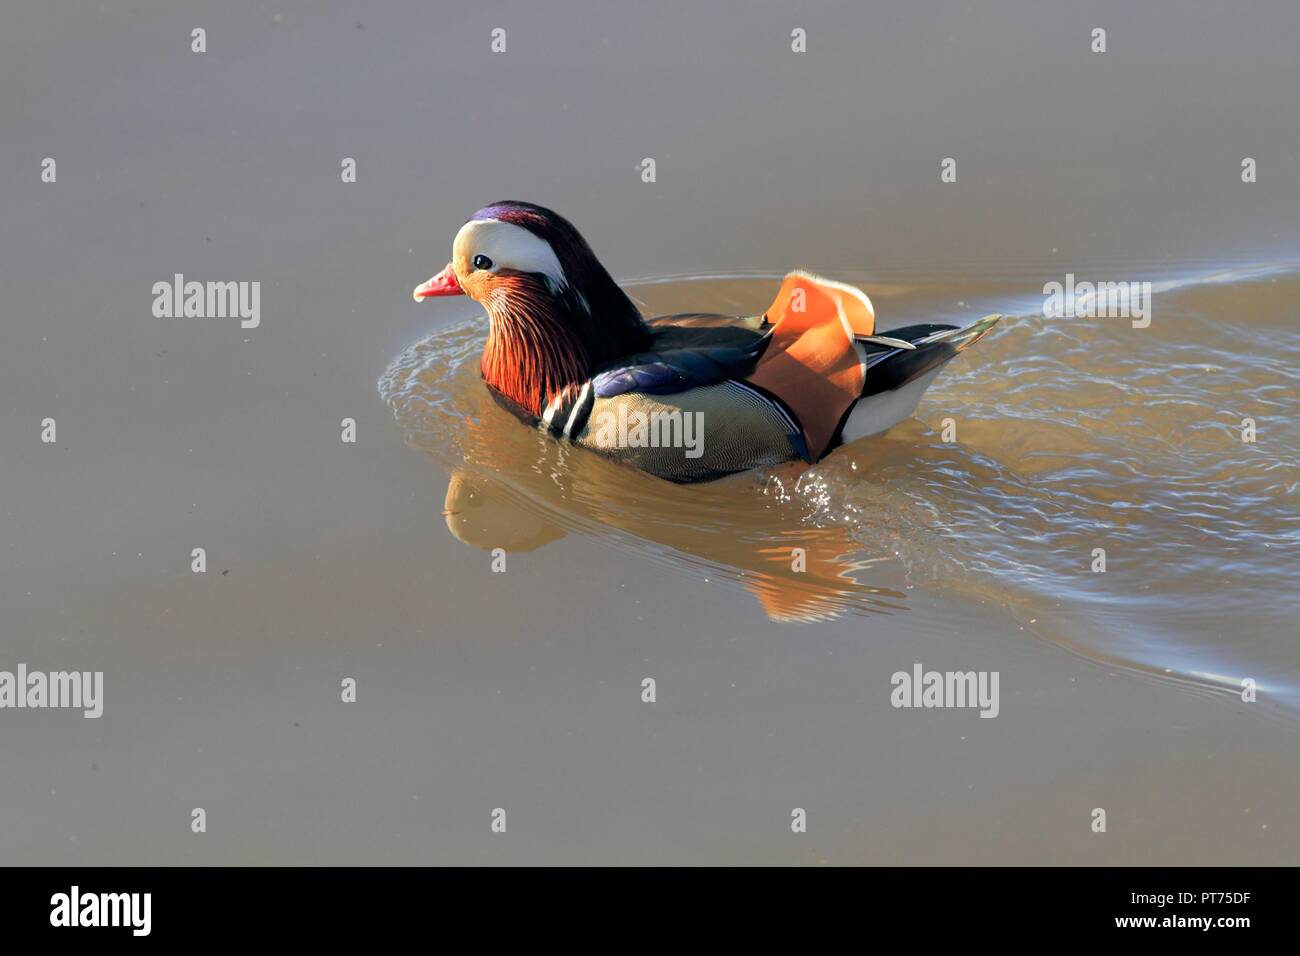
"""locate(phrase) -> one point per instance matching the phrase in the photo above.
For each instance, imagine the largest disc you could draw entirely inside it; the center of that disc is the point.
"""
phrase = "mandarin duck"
(687, 397)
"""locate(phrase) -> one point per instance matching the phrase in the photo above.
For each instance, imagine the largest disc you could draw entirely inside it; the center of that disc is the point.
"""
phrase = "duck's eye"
(482, 262)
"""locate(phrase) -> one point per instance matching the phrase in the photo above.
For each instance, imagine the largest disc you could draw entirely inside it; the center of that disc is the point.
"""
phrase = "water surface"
(1072, 434)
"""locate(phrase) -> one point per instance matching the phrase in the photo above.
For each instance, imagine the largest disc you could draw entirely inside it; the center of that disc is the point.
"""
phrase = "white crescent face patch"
(509, 247)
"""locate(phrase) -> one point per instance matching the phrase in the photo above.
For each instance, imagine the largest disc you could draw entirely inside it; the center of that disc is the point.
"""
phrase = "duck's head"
(556, 314)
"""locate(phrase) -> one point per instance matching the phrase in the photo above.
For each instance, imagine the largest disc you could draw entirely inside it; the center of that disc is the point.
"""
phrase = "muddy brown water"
(522, 690)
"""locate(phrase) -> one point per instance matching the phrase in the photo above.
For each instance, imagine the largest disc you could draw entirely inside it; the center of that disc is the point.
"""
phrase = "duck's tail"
(842, 379)
(897, 378)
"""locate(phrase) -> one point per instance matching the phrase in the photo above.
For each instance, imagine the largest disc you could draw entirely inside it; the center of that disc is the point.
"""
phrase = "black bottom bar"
(331, 905)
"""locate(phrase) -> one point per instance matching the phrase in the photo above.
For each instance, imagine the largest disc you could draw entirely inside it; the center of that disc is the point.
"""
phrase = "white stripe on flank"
(552, 407)
(573, 415)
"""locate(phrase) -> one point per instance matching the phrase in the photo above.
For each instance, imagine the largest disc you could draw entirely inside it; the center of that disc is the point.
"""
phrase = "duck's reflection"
(480, 514)
(521, 495)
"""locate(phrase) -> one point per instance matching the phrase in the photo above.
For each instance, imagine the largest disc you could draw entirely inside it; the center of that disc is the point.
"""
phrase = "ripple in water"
(1072, 435)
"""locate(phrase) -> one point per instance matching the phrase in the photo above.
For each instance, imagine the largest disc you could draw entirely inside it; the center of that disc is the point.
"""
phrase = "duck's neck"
(541, 345)
(530, 359)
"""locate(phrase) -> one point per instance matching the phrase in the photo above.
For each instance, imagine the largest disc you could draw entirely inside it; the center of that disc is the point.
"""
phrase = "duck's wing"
(706, 330)
(682, 363)
(690, 350)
